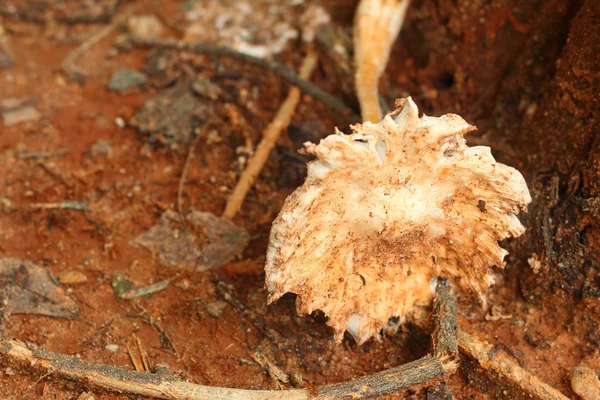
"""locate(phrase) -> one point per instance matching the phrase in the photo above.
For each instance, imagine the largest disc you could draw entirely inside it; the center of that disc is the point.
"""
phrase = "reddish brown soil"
(487, 63)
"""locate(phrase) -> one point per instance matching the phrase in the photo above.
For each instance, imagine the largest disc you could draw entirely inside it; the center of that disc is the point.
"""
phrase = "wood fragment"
(161, 387)
(504, 365)
(137, 364)
(280, 70)
(270, 136)
(167, 387)
(26, 113)
(444, 336)
(388, 381)
(63, 205)
(143, 354)
(133, 382)
(26, 155)
(273, 370)
(65, 180)
(146, 290)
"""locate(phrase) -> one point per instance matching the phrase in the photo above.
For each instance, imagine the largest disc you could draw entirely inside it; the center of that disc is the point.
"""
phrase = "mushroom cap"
(384, 211)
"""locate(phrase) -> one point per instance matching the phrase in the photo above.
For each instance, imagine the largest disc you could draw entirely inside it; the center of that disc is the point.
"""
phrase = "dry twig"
(137, 364)
(146, 290)
(63, 205)
(186, 167)
(444, 342)
(125, 381)
(69, 66)
(27, 155)
(507, 367)
(280, 70)
(270, 136)
(388, 381)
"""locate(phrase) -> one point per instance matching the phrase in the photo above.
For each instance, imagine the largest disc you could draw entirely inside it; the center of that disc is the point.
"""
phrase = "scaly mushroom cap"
(384, 211)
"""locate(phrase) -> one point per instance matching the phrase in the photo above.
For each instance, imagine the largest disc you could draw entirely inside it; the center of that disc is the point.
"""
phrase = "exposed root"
(507, 367)
(161, 387)
(124, 381)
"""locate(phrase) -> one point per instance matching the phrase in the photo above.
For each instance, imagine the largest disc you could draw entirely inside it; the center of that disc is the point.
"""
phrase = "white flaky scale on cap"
(384, 211)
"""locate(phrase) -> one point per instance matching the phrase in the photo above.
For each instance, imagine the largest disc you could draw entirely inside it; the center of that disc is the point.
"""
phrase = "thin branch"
(126, 381)
(186, 167)
(63, 205)
(504, 365)
(69, 66)
(444, 336)
(161, 387)
(388, 381)
(281, 70)
(270, 136)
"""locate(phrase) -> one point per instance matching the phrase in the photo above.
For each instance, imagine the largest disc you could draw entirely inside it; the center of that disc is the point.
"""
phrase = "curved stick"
(281, 70)
(270, 136)
(504, 365)
(160, 387)
(124, 381)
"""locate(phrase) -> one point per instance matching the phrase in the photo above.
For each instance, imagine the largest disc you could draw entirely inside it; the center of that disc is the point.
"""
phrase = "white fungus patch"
(384, 211)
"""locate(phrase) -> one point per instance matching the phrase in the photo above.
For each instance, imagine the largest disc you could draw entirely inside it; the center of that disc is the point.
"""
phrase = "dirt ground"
(504, 66)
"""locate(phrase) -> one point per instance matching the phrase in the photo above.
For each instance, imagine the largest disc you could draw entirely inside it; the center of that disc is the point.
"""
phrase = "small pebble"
(585, 382)
(24, 113)
(71, 277)
(145, 26)
(112, 347)
(125, 79)
(216, 308)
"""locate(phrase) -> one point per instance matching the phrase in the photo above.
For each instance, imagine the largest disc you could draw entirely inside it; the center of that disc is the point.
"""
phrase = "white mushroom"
(376, 26)
(384, 211)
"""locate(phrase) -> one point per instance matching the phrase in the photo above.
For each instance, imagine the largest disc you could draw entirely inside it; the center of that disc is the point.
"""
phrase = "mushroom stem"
(376, 26)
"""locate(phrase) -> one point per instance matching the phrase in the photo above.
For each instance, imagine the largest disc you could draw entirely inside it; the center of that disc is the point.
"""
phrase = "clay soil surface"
(477, 60)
